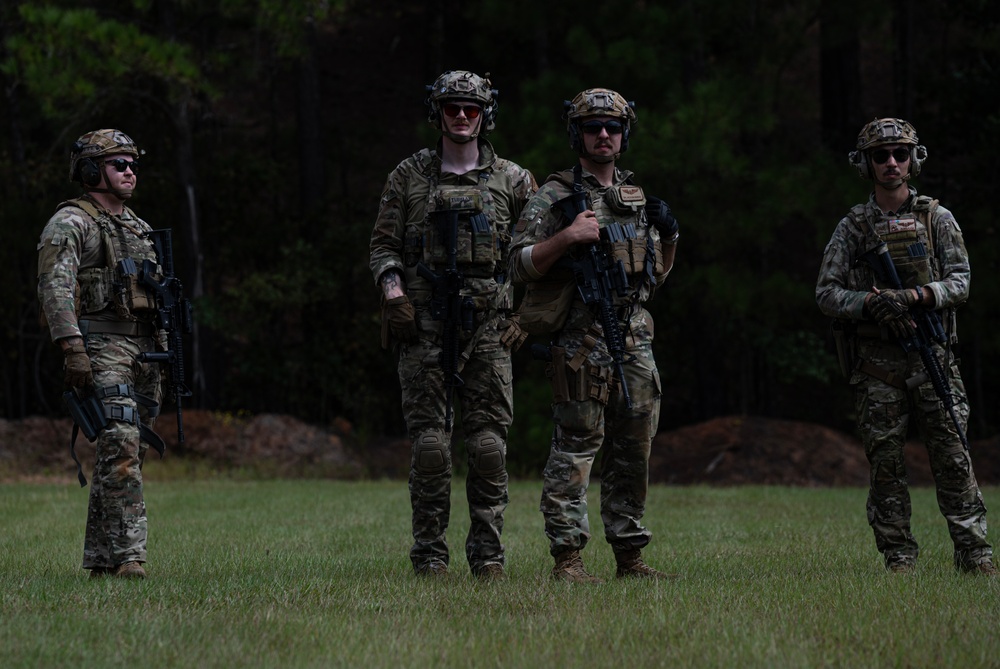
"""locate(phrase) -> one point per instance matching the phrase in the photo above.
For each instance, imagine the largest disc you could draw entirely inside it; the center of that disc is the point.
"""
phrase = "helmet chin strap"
(600, 159)
(120, 194)
(894, 184)
(461, 139)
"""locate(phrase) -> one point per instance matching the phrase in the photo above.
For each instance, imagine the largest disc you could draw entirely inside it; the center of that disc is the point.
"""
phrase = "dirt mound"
(745, 449)
(732, 450)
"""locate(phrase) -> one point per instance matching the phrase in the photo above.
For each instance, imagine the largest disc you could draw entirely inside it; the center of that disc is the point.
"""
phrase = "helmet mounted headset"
(459, 86)
(593, 103)
(882, 132)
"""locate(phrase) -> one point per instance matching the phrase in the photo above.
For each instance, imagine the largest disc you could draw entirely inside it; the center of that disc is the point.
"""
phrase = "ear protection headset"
(87, 169)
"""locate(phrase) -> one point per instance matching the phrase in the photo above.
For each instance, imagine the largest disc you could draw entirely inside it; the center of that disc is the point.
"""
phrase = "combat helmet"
(83, 167)
(463, 85)
(597, 102)
(880, 132)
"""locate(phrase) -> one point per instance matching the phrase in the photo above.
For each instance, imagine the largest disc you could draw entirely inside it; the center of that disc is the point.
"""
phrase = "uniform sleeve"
(953, 286)
(833, 295)
(60, 250)
(525, 187)
(536, 224)
(390, 226)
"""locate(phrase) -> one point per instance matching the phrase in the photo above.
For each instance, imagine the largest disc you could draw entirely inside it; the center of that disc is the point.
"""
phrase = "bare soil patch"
(732, 450)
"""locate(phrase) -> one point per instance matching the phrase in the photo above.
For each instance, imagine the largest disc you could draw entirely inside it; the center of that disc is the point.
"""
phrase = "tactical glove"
(399, 319)
(660, 217)
(77, 367)
(892, 314)
(906, 296)
(511, 334)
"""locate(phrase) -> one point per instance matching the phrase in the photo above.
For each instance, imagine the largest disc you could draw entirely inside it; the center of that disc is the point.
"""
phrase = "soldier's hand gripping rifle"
(929, 330)
(173, 316)
(448, 305)
(599, 276)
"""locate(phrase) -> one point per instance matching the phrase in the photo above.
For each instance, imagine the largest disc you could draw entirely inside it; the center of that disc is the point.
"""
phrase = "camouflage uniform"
(73, 256)
(402, 237)
(589, 409)
(880, 369)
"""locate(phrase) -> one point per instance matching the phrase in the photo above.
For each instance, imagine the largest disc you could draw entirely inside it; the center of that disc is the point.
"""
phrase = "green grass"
(316, 574)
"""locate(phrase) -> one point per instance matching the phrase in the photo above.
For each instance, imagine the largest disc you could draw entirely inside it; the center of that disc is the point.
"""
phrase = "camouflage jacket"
(76, 265)
(540, 220)
(401, 235)
(845, 279)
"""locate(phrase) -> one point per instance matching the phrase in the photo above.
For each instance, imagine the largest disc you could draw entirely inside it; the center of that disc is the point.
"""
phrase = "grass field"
(316, 574)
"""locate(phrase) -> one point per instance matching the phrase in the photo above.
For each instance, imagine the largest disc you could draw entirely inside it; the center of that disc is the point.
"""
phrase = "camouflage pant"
(884, 414)
(116, 515)
(582, 427)
(485, 403)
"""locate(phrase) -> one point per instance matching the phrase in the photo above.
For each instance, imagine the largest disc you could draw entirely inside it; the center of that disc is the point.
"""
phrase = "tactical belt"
(124, 328)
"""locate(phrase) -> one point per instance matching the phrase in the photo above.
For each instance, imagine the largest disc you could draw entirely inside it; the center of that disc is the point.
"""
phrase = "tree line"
(269, 127)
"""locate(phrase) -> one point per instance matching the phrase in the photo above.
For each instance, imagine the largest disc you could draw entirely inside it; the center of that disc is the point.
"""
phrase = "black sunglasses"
(120, 165)
(594, 127)
(881, 156)
(471, 111)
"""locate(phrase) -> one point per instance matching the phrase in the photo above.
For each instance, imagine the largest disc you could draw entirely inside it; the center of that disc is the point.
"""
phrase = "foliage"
(729, 132)
(770, 577)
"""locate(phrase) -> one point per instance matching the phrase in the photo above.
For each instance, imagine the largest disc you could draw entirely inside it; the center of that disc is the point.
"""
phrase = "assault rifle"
(928, 332)
(599, 276)
(448, 305)
(173, 315)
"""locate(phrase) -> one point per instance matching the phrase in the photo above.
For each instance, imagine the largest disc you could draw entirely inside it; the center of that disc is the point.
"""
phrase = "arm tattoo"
(391, 280)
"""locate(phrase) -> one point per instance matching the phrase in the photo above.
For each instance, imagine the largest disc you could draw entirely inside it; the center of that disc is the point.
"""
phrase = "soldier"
(438, 254)
(103, 319)
(590, 407)
(875, 320)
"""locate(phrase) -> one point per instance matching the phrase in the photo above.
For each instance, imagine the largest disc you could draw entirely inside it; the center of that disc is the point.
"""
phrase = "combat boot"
(129, 570)
(983, 568)
(432, 569)
(100, 572)
(569, 567)
(491, 571)
(630, 565)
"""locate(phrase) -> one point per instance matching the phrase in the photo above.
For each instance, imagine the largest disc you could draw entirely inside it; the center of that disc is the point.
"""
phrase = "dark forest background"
(269, 127)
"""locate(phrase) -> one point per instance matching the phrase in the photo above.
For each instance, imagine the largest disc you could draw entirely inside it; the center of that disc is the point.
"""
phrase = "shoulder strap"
(924, 207)
(82, 203)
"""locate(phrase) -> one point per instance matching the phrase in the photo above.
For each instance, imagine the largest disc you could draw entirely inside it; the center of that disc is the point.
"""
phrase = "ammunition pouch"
(131, 297)
(573, 381)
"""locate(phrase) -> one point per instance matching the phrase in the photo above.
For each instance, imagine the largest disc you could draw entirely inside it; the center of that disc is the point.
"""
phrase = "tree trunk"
(840, 75)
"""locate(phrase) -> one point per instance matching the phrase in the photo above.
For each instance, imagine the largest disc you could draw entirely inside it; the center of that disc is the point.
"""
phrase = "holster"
(87, 413)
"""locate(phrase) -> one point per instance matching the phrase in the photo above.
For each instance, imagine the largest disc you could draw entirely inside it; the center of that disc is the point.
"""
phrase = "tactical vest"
(910, 240)
(117, 284)
(547, 301)
(482, 242)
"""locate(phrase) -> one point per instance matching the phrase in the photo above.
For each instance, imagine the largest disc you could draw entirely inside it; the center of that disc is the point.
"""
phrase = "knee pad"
(431, 453)
(487, 454)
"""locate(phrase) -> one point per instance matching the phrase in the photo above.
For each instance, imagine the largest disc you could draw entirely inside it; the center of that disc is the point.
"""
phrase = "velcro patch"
(631, 194)
(902, 225)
